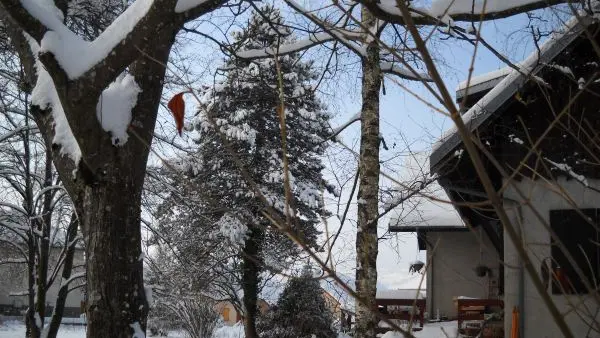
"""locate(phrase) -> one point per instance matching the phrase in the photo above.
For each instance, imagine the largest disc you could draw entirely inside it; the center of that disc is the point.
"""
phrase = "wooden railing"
(475, 309)
(415, 311)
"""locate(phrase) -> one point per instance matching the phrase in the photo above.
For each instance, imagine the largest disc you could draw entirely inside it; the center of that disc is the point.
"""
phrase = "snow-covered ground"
(14, 329)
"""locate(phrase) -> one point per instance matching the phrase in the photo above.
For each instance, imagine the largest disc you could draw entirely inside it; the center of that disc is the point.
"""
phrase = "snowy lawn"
(14, 329)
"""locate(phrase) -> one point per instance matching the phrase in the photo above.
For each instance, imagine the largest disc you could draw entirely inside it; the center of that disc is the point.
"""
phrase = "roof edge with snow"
(505, 89)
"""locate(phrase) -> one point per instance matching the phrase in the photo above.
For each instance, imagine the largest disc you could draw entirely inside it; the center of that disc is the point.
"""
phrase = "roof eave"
(514, 82)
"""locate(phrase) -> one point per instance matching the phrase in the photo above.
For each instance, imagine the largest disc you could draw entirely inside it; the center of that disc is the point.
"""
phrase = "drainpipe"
(521, 295)
(520, 275)
(431, 269)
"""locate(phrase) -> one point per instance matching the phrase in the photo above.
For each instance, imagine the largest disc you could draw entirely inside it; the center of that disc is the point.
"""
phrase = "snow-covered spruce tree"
(301, 311)
(244, 106)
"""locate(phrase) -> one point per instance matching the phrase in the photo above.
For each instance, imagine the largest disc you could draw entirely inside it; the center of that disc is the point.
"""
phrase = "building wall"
(452, 271)
(333, 304)
(13, 278)
(536, 237)
(230, 314)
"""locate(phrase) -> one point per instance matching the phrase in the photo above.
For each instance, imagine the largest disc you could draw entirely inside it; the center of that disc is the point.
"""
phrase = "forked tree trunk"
(250, 279)
(109, 209)
(366, 237)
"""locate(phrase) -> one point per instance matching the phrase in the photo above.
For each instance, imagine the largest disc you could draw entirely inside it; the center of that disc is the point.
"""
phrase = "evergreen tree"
(244, 106)
(301, 311)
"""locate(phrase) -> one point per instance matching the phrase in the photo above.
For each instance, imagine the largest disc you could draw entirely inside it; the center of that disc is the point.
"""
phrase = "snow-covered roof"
(426, 211)
(482, 82)
(505, 89)
(400, 294)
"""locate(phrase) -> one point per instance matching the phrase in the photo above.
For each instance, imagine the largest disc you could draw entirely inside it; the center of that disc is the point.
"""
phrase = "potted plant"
(416, 266)
(482, 270)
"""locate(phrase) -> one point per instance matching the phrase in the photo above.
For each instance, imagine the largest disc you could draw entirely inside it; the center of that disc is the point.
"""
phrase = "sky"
(414, 127)
(408, 126)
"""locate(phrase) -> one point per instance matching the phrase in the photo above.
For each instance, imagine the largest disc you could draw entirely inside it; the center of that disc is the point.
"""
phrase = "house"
(231, 315)
(454, 253)
(536, 131)
(333, 304)
(13, 282)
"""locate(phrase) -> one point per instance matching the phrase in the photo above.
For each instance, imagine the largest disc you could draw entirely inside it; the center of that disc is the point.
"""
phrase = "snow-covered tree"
(245, 154)
(301, 311)
(97, 77)
(37, 229)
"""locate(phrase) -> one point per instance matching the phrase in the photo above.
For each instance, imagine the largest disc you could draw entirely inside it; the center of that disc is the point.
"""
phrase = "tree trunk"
(105, 186)
(61, 298)
(110, 217)
(251, 279)
(109, 209)
(366, 237)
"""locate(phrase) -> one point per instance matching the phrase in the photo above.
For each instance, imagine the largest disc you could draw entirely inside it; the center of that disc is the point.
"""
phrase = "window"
(581, 239)
(226, 314)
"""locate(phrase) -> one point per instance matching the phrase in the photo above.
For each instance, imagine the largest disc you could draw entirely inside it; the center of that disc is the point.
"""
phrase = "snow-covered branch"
(349, 39)
(18, 294)
(448, 11)
(65, 282)
(311, 41)
(13, 261)
(345, 125)
(114, 49)
(16, 131)
(394, 69)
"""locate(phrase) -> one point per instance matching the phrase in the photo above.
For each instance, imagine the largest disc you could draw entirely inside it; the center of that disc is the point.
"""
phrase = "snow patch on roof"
(400, 294)
(479, 79)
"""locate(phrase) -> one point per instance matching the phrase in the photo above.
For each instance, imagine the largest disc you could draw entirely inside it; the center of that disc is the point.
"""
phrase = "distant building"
(13, 285)
(231, 315)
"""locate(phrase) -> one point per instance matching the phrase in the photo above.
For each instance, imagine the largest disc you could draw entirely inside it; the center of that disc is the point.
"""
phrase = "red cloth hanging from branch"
(177, 107)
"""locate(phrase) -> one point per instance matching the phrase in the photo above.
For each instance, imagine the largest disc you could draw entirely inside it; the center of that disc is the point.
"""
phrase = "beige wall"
(451, 273)
(333, 304)
(227, 312)
(544, 198)
(231, 316)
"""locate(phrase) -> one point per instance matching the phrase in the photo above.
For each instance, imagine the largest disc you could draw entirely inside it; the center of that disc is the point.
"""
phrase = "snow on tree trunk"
(366, 236)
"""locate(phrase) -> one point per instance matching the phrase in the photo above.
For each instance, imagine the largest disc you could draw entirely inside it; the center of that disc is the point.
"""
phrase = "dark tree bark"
(67, 268)
(251, 278)
(110, 211)
(366, 236)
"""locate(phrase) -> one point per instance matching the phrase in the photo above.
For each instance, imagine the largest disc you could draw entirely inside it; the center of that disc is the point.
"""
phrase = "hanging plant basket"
(416, 266)
(482, 270)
